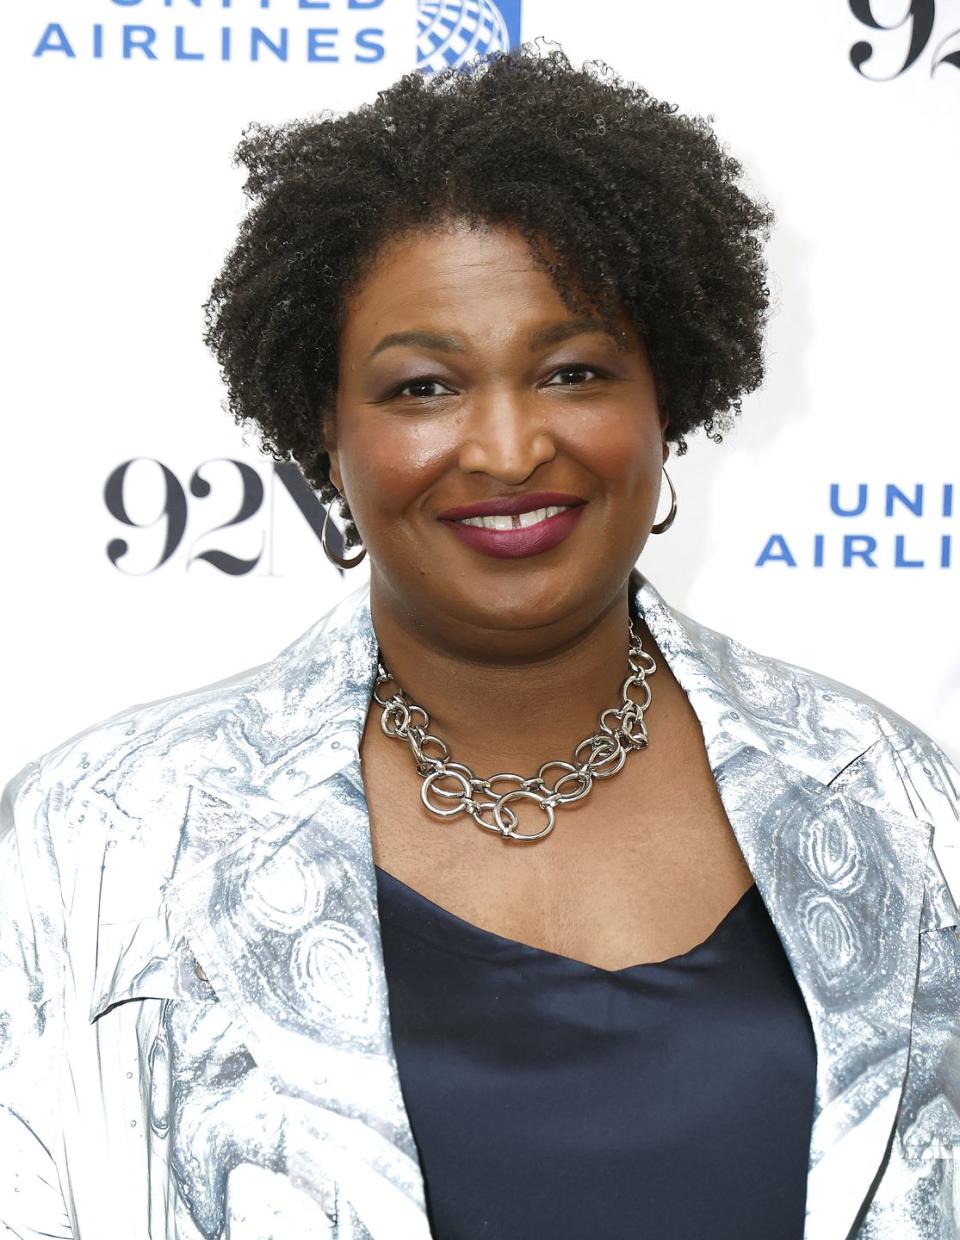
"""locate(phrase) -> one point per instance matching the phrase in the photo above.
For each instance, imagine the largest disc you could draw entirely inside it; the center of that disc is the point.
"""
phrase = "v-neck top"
(551, 1099)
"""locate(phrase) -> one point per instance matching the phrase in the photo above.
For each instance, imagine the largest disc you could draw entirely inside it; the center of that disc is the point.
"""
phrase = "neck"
(504, 701)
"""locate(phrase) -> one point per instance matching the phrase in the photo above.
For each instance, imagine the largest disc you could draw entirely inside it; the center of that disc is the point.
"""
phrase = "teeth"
(521, 520)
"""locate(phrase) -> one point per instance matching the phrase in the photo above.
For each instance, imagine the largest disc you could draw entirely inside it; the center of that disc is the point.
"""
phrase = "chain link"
(621, 730)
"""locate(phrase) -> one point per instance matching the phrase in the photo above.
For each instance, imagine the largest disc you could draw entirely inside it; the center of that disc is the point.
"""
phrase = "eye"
(420, 388)
(578, 372)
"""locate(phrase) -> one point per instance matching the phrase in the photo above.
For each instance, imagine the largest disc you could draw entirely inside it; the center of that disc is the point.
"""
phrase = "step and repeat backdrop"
(150, 548)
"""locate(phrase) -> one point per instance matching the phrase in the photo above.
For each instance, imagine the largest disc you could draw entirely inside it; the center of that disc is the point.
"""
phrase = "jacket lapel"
(275, 888)
(843, 884)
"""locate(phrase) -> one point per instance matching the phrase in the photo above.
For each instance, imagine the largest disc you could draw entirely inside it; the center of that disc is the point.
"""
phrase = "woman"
(506, 901)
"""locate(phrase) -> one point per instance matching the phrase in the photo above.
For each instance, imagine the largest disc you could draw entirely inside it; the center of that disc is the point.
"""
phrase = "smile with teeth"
(516, 521)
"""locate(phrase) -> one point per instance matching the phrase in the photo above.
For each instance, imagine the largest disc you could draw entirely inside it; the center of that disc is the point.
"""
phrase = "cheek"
(388, 462)
(623, 450)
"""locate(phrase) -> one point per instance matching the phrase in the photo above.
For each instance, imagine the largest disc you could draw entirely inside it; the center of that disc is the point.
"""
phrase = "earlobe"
(663, 417)
(334, 470)
(330, 447)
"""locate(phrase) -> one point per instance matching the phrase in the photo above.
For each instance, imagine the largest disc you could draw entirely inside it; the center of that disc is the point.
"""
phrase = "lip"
(517, 544)
(509, 505)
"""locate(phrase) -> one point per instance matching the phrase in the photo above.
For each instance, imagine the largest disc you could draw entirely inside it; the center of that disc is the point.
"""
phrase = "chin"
(526, 600)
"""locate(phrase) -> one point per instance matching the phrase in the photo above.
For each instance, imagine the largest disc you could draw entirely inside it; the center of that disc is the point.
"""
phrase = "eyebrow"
(553, 333)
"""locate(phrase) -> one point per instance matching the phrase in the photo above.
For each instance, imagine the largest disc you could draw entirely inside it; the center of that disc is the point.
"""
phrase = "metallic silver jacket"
(194, 1032)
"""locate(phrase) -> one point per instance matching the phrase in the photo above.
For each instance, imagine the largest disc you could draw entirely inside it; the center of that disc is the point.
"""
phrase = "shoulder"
(835, 709)
(138, 735)
(823, 722)
(846, 739)
(118, 780)
(173, 727)
(132, 766)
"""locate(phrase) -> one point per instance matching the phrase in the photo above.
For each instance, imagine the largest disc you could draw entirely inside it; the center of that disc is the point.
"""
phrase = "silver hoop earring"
(662, 526)
(333, 556)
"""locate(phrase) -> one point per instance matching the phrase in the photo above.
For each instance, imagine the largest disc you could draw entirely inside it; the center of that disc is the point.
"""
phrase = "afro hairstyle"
(629, 206)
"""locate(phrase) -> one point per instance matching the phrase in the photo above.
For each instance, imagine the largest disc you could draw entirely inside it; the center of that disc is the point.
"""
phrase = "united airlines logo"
(453, 32)
(435, 33)
(873, 525)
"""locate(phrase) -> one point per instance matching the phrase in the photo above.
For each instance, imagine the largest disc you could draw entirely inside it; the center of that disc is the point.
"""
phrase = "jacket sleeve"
(31, 1016)
(930, 1113)
(946, 817)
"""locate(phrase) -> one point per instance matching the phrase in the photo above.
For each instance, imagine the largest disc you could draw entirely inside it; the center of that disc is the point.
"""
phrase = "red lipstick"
(517, 541)
(507, 505)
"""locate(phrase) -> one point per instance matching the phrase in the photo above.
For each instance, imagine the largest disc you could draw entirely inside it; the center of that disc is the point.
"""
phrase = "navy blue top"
(555, 1100)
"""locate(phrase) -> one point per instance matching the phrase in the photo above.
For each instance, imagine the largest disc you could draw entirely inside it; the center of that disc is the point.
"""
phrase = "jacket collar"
(277, 836)
(843, 882)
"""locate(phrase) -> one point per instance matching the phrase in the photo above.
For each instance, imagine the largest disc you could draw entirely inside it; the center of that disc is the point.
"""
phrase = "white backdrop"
(121, 201)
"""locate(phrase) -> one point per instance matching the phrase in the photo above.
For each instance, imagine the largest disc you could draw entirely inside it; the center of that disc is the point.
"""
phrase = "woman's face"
(463, 380)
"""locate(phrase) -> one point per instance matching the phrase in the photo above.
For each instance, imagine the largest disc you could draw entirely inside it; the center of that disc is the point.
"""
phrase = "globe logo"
(451, 32)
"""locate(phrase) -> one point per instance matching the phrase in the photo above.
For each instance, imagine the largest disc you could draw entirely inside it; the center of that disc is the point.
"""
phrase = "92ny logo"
(915, 27)
(161, 516)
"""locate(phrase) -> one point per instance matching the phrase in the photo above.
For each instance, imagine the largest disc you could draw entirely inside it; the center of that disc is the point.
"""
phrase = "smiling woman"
(633, 211)
(667, 948)
(437, 426)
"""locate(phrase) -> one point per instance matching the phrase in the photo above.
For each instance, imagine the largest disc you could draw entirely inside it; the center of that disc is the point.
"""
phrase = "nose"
(503, 436)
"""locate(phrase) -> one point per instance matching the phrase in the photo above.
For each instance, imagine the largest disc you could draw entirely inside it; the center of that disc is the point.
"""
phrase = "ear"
(330, 446)
(335, 476)
(664, 423)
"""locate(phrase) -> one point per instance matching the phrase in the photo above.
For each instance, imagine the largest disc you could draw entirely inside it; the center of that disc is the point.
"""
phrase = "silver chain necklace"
(621, 729)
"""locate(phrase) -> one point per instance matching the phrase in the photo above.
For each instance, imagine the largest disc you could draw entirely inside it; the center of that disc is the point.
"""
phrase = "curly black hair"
(630, 207)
